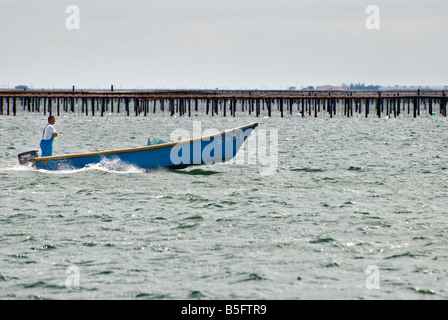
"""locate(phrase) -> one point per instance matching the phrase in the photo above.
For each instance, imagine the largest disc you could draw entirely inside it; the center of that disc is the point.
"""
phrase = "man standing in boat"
(46, 144)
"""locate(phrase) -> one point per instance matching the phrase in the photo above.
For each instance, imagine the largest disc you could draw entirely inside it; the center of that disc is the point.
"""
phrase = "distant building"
(21, 87)
(308, 88)
(411, 88)
(330, 88)
(292, 88)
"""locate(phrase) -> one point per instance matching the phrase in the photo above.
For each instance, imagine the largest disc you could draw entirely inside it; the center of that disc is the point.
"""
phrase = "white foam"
(106, 165)
(17, 167)
(113, 166)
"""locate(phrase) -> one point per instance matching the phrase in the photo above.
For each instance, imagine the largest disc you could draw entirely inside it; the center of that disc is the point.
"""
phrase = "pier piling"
(234, 103)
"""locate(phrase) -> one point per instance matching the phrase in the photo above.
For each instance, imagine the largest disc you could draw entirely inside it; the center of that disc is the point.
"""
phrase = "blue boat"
(214, 148)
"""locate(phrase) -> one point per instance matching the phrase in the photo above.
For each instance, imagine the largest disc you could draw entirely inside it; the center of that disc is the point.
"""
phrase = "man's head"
(51, 120)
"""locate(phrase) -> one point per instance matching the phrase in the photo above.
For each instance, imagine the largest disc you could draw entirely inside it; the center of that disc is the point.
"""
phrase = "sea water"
(354, 208)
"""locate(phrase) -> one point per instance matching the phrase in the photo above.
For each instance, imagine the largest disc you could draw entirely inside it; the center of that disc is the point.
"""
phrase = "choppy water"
(347, 196)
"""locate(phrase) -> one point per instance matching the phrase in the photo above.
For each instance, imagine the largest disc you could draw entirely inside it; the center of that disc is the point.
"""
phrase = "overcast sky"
(230, 44)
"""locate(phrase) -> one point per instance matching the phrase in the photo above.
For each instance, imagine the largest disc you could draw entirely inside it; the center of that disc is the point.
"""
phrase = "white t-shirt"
(48, 132)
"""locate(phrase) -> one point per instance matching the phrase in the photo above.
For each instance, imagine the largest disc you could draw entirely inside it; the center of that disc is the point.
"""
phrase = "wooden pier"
(226, 103)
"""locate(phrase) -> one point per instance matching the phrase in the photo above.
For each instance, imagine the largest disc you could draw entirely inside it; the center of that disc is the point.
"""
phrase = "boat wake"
(106, 165)
(16, 168)
(113, 166)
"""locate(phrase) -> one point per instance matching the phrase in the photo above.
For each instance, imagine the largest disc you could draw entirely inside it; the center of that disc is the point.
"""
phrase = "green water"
(345, 194)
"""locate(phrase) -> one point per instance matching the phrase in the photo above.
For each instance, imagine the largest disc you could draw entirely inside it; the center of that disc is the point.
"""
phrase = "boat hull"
(219, 147)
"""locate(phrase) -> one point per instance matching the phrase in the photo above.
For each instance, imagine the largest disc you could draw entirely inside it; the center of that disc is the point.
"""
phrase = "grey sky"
(234, 44)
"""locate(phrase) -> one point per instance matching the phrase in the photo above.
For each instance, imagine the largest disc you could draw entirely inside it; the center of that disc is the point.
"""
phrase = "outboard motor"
(27, 158)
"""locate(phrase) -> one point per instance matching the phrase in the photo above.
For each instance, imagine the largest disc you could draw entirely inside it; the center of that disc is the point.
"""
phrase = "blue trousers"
(47, 147)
